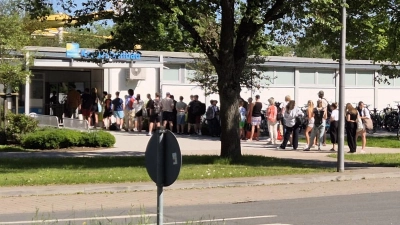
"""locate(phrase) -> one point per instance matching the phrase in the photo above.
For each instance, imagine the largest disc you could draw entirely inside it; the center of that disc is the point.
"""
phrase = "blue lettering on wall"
(110, 55)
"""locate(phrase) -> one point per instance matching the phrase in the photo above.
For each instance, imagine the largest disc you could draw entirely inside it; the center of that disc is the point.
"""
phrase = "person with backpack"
(292, 117)
(154, 107)
(212, 118)
(272, 117)
(320, 116)
(130, 113)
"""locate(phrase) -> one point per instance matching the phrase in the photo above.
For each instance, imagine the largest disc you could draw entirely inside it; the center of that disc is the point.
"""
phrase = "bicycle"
(391, 118)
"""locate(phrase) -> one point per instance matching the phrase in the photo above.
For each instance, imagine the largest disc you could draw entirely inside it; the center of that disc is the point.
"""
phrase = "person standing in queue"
(291, 115)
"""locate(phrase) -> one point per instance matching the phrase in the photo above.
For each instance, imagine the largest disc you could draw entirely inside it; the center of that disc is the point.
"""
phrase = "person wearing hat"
(167, 106)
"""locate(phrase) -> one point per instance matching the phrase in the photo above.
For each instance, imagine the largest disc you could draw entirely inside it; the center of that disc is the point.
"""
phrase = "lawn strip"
(83, 170)
(376, 142)
(384, 159)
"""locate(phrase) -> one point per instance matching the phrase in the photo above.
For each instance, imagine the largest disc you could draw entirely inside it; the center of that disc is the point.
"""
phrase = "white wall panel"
(356, 95)
(277, 93)
(387, 96)
(306, 94)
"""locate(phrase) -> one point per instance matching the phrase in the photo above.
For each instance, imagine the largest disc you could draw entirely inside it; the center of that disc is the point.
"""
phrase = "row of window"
(286, 77)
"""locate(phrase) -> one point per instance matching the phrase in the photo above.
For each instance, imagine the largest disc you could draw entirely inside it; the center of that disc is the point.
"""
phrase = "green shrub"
(63, 138)
(98, 139)
(18, 125)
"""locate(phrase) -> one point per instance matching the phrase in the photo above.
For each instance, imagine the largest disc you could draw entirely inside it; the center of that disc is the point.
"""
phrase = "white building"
(154, 71)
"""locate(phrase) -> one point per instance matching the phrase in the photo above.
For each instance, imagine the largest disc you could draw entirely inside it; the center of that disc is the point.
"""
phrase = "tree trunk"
(229, 94)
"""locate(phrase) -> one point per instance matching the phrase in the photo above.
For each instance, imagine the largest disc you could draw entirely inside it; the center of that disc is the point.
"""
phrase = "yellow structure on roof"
(61, 20)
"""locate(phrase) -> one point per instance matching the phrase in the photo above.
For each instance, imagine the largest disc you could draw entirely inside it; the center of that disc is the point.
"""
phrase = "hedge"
(63, 138)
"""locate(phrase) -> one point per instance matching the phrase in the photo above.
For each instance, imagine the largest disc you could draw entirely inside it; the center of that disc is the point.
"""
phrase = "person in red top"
(271, 113)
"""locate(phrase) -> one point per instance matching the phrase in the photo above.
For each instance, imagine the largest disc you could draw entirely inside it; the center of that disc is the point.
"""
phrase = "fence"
(53, 121)
(46, 120)
(75, 124)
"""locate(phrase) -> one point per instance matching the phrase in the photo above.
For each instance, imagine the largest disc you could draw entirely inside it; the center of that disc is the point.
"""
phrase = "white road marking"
(275, 224)
(218, 220)
(78, 219)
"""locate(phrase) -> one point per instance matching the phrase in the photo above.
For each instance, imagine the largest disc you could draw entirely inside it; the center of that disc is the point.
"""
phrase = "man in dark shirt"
(174, 113)
(86, 104)
(118, 109)
(154, 117)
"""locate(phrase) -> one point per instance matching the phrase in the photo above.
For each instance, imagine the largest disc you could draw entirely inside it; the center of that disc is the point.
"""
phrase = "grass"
(10, 148)
(378, 142)
(384, 160)
(55, 171)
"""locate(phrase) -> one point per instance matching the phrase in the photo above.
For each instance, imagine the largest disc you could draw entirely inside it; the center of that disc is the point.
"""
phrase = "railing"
(75, 124)
(53, 121)
(46, 120)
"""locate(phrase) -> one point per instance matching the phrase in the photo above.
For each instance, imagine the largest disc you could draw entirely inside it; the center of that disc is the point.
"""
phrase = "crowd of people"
(128, 113)
(287, 118)
(186, 118)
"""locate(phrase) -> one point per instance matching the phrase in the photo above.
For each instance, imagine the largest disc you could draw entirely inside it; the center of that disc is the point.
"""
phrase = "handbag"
(368, 123)
(360, 125)
(144, 112)
(99, 108)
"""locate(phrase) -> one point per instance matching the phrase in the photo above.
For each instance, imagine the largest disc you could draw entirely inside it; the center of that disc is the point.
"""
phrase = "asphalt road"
(361, 209)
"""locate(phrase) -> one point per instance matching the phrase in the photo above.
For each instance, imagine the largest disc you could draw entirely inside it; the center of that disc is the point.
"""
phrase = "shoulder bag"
(360, 125)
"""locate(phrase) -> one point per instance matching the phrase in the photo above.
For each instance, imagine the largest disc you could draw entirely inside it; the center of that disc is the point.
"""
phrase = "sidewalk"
(201, 145)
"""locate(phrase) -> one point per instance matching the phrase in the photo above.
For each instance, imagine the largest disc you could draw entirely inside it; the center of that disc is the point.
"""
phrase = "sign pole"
(340, 155)
(160, 176)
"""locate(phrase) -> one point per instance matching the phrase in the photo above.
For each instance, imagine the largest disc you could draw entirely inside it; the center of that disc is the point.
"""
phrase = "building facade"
(301, 78)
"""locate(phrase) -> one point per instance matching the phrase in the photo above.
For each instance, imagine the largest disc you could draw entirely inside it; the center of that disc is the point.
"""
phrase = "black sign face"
(170, 157)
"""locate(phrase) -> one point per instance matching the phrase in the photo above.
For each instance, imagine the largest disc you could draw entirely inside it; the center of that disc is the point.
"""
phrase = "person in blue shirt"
(118, 109)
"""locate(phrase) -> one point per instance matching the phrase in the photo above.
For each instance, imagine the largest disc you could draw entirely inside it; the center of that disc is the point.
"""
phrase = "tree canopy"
(13, 38)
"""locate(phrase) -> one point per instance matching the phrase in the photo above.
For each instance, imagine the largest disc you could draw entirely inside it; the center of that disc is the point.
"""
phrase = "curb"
(107, 188)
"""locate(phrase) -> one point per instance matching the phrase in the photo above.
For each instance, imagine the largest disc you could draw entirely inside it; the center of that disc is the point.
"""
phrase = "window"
(189, 75)
(307, 76)
(326, 77)
(284, 77)
(171, 74)
(268, 78)
(37, 91)
(350, 78)
(365, 78)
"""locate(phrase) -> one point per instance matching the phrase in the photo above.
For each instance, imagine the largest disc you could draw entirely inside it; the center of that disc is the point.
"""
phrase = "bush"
(98, 139)
(18, 125)
(63, 138)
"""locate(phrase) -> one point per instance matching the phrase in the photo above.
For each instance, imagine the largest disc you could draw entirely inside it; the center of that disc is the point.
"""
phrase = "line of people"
(174, 115)
(318, 119)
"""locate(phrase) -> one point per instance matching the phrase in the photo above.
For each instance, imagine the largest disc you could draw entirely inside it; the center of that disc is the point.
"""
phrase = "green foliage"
(254, 76)
(13, 38)
(63, 138)
(19, 125)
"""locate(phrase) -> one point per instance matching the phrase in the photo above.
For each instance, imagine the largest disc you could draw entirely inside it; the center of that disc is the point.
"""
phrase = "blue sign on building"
(73, 51)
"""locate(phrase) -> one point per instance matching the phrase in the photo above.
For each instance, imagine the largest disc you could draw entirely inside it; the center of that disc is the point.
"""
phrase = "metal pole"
(160, 175)
(340, 156)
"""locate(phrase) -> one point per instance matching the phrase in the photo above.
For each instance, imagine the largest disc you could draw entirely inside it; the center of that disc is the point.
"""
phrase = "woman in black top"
(351, 127)
(256, 118)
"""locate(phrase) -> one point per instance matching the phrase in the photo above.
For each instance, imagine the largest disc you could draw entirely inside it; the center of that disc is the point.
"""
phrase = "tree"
(228, 48)
(13, 38)
(311, 50)
(372, 33)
